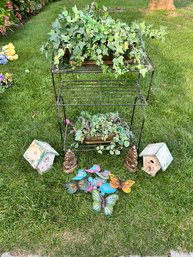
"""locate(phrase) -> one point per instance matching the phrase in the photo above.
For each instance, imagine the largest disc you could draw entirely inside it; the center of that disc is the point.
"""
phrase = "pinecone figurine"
(70, 162)
(130, 162)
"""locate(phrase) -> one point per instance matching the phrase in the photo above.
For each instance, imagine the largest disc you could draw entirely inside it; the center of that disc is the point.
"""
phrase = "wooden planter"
(98, 140)
(108, 60)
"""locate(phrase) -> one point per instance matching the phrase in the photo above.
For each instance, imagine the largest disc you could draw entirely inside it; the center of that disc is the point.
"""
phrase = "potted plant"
(108, 130)
(92, 36)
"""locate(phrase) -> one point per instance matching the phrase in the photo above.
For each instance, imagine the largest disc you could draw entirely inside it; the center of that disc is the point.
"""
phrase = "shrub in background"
(13, 12)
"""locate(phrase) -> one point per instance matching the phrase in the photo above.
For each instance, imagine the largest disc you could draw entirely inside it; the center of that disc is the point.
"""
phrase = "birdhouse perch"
(155, 157)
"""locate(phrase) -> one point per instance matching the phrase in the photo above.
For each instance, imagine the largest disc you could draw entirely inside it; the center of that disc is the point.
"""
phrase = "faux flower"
(5, 81)
(9, 5)
(2, 77)
(67, 121)
(9, 51)
(3, 59)
(2, 30)
(8, 78)
(18, 15)
(7, 22)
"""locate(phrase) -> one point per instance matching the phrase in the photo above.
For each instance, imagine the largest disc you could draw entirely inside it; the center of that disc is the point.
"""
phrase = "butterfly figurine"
(73, 186)
(106, 189)
(102, 202)
(80, 175)
(104, 174)
(95, 168)
(94, 183)
(123, 185)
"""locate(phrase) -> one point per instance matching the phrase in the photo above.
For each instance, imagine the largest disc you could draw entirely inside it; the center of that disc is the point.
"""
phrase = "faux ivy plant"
(92, 34)
(103, 125)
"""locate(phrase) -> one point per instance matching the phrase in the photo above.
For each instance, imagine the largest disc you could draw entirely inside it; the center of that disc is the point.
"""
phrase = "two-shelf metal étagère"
(87, 88)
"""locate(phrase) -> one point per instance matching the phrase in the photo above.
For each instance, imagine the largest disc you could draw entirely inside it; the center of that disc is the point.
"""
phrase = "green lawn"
(36, 213)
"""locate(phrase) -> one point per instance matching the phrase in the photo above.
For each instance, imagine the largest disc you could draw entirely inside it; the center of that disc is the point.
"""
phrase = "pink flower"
(6, 21)
(18, 15)
(6, 18)
(2, 30)
(9, 5)
(67, 121)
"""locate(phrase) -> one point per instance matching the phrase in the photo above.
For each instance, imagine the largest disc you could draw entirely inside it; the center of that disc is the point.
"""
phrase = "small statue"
(130, 162)
(70, 162)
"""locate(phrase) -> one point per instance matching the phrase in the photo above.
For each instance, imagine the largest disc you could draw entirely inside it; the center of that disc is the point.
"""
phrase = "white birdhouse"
(155, 157)
(40, 155)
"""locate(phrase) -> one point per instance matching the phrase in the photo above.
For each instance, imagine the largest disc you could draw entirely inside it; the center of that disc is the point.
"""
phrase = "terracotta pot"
(108, 60)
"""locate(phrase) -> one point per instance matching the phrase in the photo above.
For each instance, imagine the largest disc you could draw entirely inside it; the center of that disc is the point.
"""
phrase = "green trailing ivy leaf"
(90, 34)
(104, 126)
(111, 152)
(126, 143)
(117, 152)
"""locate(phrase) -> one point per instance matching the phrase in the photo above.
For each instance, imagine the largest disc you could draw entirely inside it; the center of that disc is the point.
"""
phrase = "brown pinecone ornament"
(130, 162)
(70, 162)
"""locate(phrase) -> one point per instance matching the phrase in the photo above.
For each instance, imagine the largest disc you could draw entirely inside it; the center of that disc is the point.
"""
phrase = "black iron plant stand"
(76, 88)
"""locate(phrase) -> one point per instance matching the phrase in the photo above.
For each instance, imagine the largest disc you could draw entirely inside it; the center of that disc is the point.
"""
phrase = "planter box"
(108, 60)
(98, 140)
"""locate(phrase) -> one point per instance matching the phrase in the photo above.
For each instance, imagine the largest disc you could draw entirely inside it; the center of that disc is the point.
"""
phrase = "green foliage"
(90, 35)
(103, 125)
(13, 12)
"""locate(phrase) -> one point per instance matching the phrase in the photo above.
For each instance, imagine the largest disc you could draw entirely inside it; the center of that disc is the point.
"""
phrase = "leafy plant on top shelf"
(103, 126)
(92, 34)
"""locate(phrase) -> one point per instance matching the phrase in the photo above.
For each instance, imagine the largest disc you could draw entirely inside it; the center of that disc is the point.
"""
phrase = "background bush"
(13, 12)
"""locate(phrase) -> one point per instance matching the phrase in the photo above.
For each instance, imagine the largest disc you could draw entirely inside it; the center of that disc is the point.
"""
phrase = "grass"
(36, 214)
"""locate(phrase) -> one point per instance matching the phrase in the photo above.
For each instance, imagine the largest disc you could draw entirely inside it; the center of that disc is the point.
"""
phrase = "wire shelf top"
(100, 93)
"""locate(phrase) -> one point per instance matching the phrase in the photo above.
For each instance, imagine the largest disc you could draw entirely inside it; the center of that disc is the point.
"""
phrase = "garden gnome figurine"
(70, 162)
(130, 162)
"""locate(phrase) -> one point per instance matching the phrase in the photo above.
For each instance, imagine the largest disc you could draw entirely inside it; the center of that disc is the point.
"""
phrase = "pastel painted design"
(80, 175)
(95, 168)
(106, 189)
(105, 203)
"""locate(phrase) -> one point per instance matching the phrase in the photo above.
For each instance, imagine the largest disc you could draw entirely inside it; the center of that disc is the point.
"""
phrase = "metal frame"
(66, 69)
(81, 92)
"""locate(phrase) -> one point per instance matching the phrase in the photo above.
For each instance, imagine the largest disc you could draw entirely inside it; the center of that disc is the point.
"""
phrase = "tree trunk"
(161, 5)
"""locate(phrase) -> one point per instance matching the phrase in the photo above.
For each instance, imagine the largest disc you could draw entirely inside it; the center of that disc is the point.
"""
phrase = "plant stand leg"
(150, 85)
(60, 123)
(133, 112)
(141, 129)
(54, 86)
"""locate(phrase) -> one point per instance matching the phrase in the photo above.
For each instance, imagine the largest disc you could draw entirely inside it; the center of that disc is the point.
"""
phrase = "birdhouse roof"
(161, 151)
(37, 151)
(46, 147)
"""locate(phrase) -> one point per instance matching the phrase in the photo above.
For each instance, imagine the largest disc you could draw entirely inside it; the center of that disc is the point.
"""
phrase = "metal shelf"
(77, 89)
(99, 93)
(135, 113)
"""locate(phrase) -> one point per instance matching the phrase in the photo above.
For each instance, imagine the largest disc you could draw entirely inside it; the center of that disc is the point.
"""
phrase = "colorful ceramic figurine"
(102, 202)
(106, 189)
(94, 168)
(122, 185)
(80, 175)
(95, 183)
(104, 174)
(73, 186)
